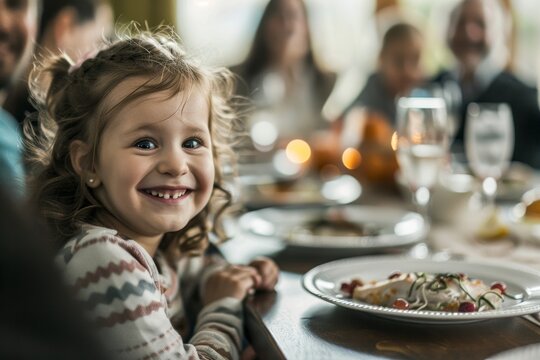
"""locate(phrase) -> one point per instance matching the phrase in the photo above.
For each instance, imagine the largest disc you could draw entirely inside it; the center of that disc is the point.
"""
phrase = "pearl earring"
(91, 180)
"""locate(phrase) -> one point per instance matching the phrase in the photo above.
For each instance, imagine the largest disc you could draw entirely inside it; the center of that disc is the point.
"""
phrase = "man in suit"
(477, 36)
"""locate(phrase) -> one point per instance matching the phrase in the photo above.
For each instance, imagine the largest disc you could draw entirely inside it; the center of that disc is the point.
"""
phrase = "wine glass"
(489, 143)
(450, 92)
(422, 145)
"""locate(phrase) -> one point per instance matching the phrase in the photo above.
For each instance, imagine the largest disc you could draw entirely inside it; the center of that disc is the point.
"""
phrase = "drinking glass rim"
(422, 102)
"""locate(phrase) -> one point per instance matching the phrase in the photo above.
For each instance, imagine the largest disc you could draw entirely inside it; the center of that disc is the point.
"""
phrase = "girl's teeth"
(166, 195)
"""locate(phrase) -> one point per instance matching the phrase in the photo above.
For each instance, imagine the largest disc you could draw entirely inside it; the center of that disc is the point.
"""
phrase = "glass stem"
(489, 189)
(421, 198)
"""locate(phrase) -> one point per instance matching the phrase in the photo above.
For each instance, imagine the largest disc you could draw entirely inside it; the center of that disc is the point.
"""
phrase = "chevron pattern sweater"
(139, 309)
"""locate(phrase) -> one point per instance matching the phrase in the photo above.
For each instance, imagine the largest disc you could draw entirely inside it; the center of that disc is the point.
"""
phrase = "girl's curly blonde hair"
(70, 99)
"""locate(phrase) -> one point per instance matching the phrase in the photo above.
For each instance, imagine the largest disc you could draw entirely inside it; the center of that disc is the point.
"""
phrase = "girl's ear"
(79, 152)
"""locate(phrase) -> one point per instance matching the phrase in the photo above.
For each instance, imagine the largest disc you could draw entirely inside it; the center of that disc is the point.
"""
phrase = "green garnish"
(437, 284)
(514, 297)
(483, 298)
(419, 276)
(458, 279)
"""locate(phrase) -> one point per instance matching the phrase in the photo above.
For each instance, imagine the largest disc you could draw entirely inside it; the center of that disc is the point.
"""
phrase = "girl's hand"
(268, 271)
(233, 281)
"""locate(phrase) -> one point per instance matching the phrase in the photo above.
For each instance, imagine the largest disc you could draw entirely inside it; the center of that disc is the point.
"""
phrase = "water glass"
(422, 146)
(489, 143)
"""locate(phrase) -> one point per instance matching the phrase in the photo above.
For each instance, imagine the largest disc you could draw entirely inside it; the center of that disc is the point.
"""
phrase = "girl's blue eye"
(146, 144)
(192, 143)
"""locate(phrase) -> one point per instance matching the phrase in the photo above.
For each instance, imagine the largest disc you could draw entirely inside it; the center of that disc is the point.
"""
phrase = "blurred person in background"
(477, 36)
(18, 27)
(280, 73)
(74, 27)
(399, 70)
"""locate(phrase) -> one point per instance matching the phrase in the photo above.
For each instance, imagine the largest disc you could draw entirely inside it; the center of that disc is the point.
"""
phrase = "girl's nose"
(173, 163)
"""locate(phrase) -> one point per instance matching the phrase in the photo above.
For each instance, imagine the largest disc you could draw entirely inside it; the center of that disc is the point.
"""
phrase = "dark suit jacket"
(523, 101)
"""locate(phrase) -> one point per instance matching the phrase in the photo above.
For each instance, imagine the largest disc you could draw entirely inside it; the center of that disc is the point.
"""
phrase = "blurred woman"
(280, 73)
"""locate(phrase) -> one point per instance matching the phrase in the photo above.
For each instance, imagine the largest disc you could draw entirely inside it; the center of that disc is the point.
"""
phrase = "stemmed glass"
(422, 145)
(489, 143)
(450, 92)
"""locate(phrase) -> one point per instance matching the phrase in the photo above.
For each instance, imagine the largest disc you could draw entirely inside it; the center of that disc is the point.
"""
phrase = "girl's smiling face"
(154, 168)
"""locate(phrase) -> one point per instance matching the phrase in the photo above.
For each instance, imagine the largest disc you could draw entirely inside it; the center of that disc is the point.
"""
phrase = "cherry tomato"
(467, 306)
(400, 304)
(500, 286)
(346, 288)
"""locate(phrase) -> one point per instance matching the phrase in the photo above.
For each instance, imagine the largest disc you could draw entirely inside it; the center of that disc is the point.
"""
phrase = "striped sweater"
(140, 303)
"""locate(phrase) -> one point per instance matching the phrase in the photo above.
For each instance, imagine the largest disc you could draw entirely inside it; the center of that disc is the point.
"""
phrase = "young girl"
(130, 182)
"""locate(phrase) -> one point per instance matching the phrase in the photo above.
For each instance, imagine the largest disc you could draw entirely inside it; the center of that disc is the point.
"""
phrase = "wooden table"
(292, 324)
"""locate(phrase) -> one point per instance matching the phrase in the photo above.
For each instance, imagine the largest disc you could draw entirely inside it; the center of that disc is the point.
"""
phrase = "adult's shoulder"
(506, 87)
(507, 79)
(10, 134)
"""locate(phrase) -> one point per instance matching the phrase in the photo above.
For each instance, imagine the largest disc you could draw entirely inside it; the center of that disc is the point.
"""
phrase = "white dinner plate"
(382, 228)
(324, 281)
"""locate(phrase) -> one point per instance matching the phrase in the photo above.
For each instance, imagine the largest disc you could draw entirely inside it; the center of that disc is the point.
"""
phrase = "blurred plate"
(515, 182)
(344, 228)
(259, 191)
(324, 282)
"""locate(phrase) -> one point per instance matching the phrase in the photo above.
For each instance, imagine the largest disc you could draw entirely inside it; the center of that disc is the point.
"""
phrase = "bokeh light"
(394, 141)
(351, 158)
(264, 134)
(298, 151)
(343, 189)
(283, 165)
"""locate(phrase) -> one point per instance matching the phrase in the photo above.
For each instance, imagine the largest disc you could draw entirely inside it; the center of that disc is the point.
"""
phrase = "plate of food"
(427, 291)
(345, 228)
